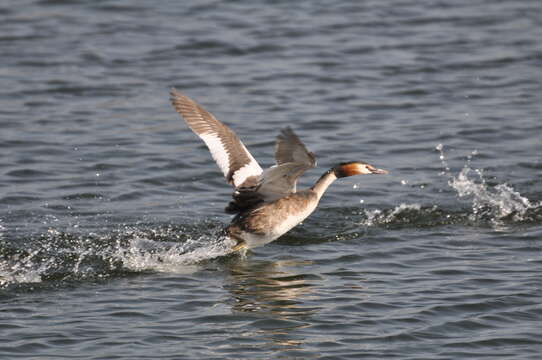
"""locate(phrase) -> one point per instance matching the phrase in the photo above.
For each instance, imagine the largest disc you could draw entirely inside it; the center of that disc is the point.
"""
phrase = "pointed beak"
(378, 171)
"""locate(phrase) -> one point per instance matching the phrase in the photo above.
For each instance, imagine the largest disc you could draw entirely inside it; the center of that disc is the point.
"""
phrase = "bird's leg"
(233, 233)
(240, 243)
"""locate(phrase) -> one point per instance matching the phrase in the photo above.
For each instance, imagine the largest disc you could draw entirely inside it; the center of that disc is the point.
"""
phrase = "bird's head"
(355, 168)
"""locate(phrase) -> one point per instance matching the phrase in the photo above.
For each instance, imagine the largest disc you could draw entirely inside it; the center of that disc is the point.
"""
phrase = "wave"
(494, 213)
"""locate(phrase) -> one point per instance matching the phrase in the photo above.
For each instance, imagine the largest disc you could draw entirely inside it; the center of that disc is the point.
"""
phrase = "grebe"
(265, 202)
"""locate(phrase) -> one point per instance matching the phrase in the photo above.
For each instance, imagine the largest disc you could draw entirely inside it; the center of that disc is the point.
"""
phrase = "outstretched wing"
(293, 159)
(280, 180)
(289, 149)
(232, 157)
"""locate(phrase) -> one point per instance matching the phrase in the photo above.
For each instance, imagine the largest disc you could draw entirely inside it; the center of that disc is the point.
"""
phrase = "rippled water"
(111, 209)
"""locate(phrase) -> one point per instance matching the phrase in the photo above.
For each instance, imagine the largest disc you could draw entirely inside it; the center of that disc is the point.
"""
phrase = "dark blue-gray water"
(110, 207)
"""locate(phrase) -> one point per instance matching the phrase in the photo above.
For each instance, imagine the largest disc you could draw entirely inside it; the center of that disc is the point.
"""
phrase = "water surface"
(111, 209)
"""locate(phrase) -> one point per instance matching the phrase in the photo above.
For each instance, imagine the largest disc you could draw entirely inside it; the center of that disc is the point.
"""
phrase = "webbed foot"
(241, 245)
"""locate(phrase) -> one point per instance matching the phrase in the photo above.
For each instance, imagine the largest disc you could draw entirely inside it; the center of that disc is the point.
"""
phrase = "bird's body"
(266, 202)
(269, 221)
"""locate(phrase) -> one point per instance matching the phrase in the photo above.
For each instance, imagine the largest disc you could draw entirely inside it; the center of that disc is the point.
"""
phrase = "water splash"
(147, 255)
(379, 217)
(22, 269)
(493, 203)
(59, 256)
(498, 205)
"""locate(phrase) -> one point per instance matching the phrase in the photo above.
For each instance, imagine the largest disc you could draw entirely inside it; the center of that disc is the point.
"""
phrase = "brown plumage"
(268, 216)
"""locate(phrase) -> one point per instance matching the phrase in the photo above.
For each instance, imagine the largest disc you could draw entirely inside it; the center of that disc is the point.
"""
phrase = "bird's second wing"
(289, 149)
(293, 159)
(280, 180)
(232, 157)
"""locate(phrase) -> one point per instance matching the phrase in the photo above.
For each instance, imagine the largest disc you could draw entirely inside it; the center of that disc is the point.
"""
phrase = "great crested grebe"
(266, 201)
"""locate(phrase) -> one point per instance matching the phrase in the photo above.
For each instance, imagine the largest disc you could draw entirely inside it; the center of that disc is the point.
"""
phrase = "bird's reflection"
(276, 294)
